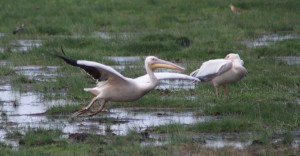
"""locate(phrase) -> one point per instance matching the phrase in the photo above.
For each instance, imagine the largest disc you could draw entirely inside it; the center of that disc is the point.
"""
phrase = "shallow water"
(268, 39)
(3, 63)
(18, 109)
(25, 45)
(39, 73)
(298, 100)
(113, 35)
(226, 143)
(2, 34)
(26, 110)
(234, 140)
(126, 120)
(124, 60)
(290, 60)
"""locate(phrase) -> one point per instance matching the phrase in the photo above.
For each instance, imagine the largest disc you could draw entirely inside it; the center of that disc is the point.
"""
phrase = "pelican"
(19, 28)
(113, 86)
(233, 9)
(221, 71)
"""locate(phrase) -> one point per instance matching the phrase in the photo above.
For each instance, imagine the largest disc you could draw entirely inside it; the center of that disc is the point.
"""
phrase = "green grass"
(63, 109)
(6, 71)
(284, 48)
(40, 137)
(156, 26)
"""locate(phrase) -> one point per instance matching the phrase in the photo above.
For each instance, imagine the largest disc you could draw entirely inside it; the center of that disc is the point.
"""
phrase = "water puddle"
(20, 111)
(298, 100)
(176, 84)
(124, 60)
(23, 110)
(2, 34)
(221, 140)
(25, 45)
(15, 103)
(268, 39)
(3, 63)
(296, 143)
(115, 35)
(126, 120)
(17, 111)
(226, 143)
(38, 73)
(233, 140)
(290, 60)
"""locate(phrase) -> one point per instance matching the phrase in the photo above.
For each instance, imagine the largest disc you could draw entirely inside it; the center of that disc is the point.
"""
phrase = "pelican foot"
(94, 112)
(80, 112)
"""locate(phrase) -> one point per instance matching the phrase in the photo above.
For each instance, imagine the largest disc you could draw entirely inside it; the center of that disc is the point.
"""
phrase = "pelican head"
(153, 62)
(234, 57)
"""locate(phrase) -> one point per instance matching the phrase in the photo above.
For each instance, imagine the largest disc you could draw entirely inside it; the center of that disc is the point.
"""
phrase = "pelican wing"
(98, 71)
(211, 69)
(243, 70)
(166, 76)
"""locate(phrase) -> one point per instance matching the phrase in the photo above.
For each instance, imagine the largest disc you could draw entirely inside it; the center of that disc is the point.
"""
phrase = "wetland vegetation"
(263, 108)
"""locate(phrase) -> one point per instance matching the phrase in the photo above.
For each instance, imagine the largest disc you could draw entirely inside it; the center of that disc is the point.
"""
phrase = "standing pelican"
(113, 86)
(19, 28)
(233, 9)
(221, 71)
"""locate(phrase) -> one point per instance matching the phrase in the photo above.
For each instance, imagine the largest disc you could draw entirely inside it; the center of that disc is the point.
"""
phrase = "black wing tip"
(201, 79)
(68, 60)
(63, 57)
(62, 50)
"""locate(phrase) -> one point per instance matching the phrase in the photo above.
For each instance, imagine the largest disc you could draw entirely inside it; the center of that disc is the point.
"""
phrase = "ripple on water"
(268, 39)
(290, 60)
(39, 73)
(226, 143)
(115, 35)
(26, 45)
(123, 60)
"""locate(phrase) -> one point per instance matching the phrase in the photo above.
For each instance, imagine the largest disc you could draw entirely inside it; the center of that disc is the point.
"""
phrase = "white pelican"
(233, 9)
(221, 71)
(113, 86)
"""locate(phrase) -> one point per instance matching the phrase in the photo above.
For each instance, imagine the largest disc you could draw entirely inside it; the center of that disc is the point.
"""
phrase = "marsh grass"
(6, 71)
(284, 48)
(207, 25)
(63, 109)
(226, 124)
(22, 80)
(40, 137)
(14, 135)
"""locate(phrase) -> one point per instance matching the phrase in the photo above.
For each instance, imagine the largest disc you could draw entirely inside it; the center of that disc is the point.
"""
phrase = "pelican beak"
(166, 64)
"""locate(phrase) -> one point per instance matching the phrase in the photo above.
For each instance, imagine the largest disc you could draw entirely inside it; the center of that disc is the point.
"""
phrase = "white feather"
(165, 76)
(212, 68)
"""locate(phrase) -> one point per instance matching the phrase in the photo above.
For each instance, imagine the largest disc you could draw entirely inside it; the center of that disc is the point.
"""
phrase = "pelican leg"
(99, 109)
(217, 90)
(225, 89)
(85, 109)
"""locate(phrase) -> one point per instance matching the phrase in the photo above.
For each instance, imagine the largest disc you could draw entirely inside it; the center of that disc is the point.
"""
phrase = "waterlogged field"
(39, 93)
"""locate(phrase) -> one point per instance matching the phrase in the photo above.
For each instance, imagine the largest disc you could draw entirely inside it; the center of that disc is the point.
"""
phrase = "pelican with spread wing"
(221, 71)
(113, 86)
